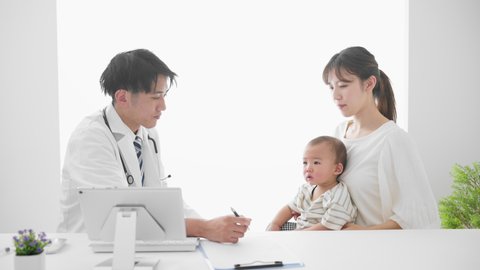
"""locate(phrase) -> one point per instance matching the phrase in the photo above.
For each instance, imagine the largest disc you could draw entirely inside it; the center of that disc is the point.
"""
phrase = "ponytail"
(383, 94)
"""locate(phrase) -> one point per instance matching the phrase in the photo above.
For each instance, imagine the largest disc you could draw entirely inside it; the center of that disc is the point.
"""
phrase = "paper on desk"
(248, 250)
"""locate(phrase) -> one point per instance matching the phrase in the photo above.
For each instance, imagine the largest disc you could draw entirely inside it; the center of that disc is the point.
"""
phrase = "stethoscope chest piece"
(130, 179)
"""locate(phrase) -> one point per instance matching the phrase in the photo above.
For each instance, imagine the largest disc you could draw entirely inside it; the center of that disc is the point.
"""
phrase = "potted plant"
(461, 210)
(29, 249)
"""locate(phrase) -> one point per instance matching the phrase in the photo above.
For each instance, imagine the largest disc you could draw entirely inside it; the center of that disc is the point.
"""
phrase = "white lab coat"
(93, 160)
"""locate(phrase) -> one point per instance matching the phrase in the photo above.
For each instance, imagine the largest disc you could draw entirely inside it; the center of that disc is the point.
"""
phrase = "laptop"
(160, 222)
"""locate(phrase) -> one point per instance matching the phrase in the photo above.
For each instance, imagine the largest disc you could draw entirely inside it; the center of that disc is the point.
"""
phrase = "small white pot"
(31, 262)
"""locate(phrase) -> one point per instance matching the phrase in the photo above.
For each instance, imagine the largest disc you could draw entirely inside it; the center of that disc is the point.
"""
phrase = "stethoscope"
(128, 175)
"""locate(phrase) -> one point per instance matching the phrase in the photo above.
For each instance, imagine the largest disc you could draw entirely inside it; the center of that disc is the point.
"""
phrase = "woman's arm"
(284, 215)
(389, 225)
(404, 180)
(316, 227)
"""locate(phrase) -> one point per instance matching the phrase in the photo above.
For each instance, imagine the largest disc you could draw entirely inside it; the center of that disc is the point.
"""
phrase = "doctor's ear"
(120, 96)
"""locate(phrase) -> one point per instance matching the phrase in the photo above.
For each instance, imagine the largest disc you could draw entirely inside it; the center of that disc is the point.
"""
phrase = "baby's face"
(319, 167)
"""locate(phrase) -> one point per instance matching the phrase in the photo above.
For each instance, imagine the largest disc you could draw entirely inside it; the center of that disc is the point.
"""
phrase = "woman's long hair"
(361, 63)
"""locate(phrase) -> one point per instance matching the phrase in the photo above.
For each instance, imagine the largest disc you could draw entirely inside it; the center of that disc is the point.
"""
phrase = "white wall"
(250, 93)
(443, 101)
(444, 91)
(29, 137)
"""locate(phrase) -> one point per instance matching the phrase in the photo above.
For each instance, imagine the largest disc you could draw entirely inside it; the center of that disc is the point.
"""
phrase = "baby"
(323, 203)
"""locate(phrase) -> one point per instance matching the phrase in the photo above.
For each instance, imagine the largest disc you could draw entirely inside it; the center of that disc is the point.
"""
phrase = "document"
(249, 253)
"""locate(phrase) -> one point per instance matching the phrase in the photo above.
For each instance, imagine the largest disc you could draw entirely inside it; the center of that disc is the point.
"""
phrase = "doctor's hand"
(225, 229)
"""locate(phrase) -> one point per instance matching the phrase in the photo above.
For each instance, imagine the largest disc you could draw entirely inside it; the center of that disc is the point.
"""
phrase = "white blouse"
(387, 180)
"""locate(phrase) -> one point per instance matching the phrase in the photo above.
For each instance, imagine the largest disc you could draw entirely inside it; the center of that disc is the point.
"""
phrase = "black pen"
(234, 212)
(254, 265)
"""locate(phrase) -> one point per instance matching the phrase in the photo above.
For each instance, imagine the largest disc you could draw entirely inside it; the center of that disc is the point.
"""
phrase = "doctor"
(101, 151)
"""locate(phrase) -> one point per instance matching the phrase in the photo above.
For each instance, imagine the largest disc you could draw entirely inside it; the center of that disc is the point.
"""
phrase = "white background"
(250, 93)
(442, 101)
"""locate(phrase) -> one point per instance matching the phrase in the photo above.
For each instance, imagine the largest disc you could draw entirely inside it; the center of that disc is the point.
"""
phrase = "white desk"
(77, 255)
(412, 249)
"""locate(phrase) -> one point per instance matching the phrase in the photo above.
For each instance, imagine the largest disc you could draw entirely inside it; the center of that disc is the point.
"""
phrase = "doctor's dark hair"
(361, 63)
(135, 71)
(336, 145)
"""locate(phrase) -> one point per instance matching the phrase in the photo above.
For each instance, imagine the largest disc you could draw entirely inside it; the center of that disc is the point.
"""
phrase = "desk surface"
(409, 249)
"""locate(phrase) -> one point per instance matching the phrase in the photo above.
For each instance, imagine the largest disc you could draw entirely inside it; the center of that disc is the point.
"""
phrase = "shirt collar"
(119, 128)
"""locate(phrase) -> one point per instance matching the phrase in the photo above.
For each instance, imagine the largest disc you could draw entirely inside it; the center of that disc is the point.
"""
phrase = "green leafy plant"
(28, 243)
(461, 210)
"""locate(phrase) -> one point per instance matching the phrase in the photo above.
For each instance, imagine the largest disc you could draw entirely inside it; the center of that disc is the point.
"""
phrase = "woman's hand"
(389, 225)
(353, 226)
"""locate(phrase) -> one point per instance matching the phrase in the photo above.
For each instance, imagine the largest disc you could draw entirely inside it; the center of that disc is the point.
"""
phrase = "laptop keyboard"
(187, 244)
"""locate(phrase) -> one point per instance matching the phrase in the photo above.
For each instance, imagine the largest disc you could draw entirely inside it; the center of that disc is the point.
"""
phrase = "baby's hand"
(273, 227)
(295, 215)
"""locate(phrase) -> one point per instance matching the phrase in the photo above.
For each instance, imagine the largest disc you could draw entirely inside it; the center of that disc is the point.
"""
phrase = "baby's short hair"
(337, 146)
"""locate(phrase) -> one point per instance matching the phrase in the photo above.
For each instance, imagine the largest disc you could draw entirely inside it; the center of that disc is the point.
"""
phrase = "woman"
(385, 174)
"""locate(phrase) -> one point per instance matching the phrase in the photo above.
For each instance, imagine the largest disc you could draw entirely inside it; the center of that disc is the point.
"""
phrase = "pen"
(258, 264)
(234, 212)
